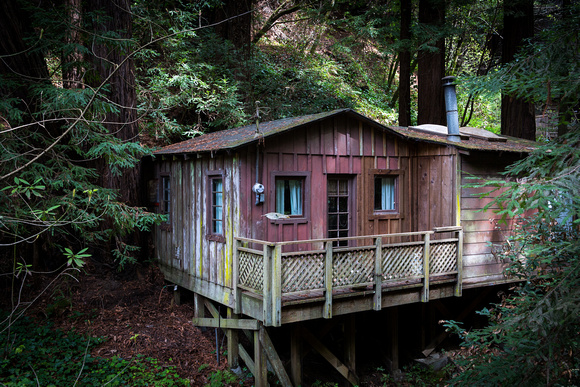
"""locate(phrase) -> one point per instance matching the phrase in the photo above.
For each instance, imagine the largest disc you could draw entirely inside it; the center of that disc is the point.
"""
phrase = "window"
(385, 186)
(164, 201)
(289, 196)
(166, 196)
(217, 203)
(385, 193)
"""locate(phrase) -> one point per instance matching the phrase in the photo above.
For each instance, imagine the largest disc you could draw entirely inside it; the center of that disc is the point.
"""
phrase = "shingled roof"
(238, 137)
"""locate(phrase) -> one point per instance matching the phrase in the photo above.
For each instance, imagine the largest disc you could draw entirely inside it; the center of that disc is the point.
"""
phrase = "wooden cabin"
(322, 216)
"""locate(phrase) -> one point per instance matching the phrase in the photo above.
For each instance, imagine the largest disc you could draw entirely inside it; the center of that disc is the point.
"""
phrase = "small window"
(166, 196)
(290, 196)
(164, 201)
(385, 193)
(217, 193)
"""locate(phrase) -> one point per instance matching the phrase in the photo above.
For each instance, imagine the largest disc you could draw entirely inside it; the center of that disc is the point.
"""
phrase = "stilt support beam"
(329, 356)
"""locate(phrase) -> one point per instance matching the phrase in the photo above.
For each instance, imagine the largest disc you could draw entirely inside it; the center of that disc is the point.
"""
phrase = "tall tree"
(517, 113)
(431, 63)
(111, 61)
(405, 64)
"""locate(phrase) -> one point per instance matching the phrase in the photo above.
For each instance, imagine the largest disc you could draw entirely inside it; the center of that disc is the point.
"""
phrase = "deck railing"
(374, 265)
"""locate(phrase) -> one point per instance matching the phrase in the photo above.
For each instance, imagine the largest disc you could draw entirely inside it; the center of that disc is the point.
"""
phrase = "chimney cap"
(448, 81)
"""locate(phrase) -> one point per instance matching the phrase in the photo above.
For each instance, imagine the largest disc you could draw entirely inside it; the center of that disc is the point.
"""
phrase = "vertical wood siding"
(185, 246)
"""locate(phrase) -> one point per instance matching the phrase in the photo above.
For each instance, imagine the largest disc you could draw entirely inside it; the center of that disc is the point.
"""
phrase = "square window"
(385, 193)
(290, 196)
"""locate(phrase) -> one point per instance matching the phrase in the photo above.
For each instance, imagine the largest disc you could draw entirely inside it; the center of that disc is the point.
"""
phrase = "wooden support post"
(274, 359)
(261, 369)
(296, 354)
(198, 306)
(394, 331)
(277, 286)
(377, 299)
(459, 285)
(426, 272)
(350, 342)
(177, 295)
(235, 278)
(327, 312)
(267, 287)
(233, 342)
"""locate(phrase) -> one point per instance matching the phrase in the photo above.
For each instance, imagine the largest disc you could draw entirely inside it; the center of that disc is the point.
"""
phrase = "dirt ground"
(140, 303)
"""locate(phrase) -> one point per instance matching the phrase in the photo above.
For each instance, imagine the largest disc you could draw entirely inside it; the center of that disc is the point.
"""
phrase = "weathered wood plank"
(226, 323)
(274, 359)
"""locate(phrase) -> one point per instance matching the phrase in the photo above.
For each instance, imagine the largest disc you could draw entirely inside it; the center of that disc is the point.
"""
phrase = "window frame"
(211, 235)
(395, 213)
(289, 175)
(167, 225)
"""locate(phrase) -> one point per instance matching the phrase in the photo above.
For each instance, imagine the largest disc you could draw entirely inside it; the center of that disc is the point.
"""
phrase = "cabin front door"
(339, 208)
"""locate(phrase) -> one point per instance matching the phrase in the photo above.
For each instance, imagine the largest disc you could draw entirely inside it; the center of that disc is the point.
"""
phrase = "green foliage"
(37, 354)
(532, 336)
(221, 378)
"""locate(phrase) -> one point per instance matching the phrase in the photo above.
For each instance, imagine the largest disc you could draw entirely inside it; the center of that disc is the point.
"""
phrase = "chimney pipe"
(451, 108)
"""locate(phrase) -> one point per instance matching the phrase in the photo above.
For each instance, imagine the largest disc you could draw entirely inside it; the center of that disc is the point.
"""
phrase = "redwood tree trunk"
(517, 115)
(123, 125)
(405, 65)
(431, 66)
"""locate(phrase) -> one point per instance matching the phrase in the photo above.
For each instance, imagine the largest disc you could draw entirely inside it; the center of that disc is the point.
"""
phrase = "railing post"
(236, 278)
(459, 285)
(327, 312)
(426, 273)
(377, 299)
(267, 286)
(277, 286)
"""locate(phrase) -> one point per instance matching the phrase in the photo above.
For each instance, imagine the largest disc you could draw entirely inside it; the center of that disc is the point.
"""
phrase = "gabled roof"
(238, 137)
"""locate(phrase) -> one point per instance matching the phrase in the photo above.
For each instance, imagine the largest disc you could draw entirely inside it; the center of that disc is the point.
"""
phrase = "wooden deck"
(313, 271)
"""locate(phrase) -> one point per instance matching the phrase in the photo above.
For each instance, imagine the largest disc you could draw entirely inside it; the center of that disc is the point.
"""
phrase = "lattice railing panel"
(251, 270)
(443, 257)
(402, 262)
(302, 272)
(353, 267)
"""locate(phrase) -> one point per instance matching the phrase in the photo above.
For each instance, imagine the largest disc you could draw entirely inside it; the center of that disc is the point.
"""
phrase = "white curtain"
(295, 197)
(387, 193)
(280, 196)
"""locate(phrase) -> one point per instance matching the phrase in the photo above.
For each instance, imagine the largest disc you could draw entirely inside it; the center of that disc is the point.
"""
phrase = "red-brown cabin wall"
(343, 146)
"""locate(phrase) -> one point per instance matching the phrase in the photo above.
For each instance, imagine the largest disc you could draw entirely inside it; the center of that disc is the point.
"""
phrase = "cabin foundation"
(337, 344)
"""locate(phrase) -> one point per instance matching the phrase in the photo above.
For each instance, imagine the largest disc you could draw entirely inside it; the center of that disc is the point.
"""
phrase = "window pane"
(343, 221)
(343, 204)
(343, 187)
(332, 204)
(332, 221)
